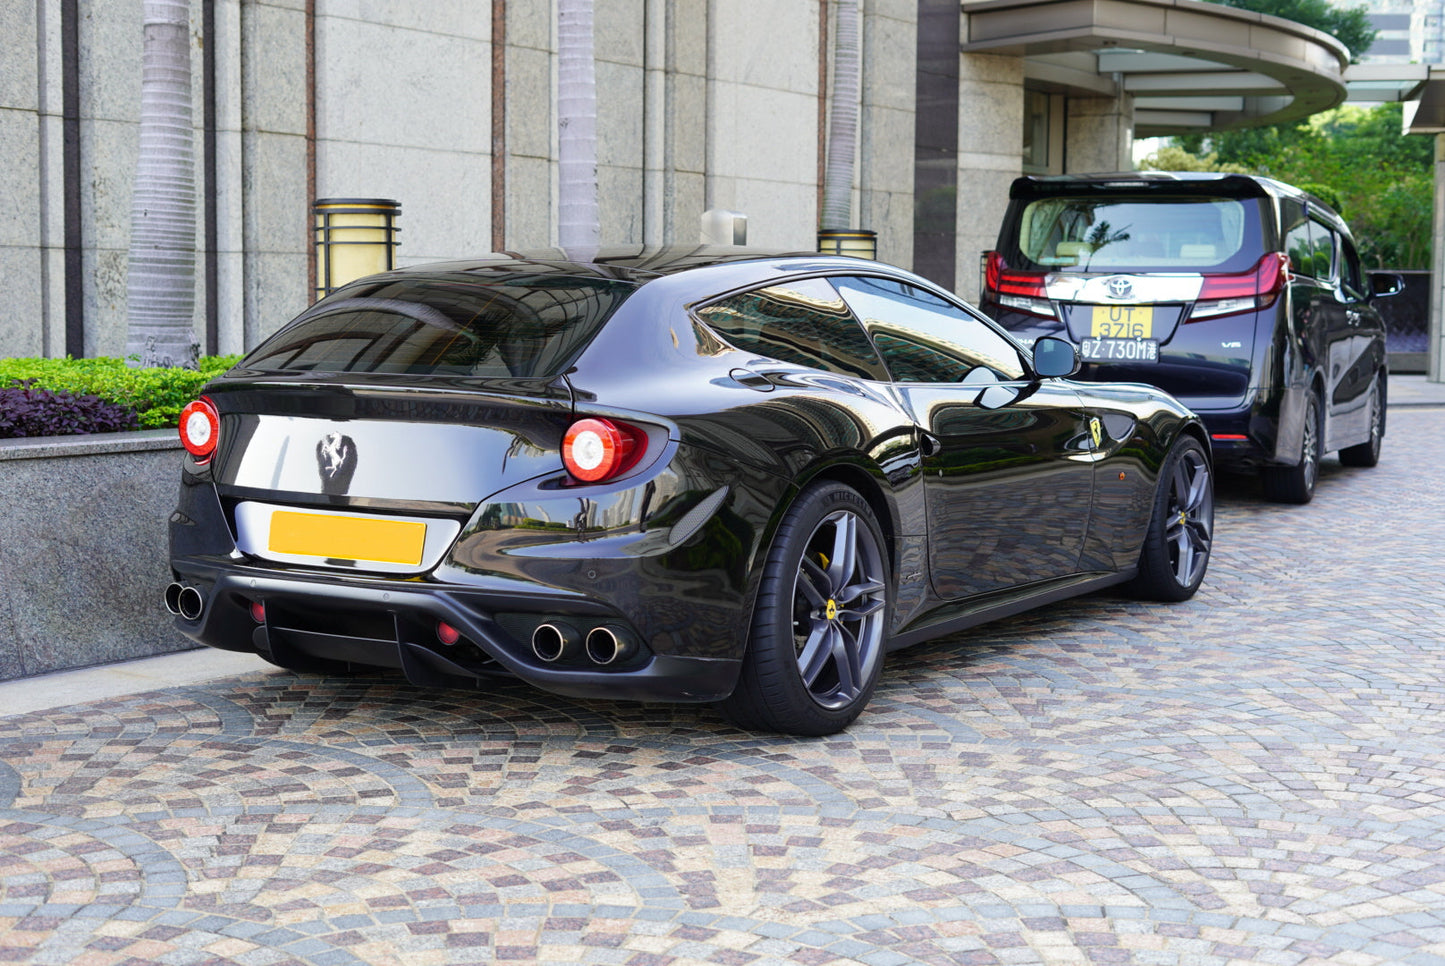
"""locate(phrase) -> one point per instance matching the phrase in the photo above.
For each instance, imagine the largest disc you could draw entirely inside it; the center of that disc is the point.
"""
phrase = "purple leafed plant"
(27, 411)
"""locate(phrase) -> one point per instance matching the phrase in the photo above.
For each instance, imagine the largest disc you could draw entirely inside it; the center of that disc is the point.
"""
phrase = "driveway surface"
(1255, 776)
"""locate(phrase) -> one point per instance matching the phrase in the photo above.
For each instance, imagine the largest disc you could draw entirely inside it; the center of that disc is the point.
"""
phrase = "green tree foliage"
(1355, 159)
(1350, 27)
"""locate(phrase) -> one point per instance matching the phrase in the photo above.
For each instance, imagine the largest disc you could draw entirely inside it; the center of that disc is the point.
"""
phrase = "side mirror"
(1386, 283)
(1055, 357)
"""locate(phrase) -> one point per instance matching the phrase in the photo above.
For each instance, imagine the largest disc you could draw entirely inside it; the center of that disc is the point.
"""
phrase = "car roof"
(627, 263)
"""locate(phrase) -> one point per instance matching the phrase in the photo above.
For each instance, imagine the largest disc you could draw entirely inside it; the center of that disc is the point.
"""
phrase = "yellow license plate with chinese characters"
(1123, 322)
(347, 538)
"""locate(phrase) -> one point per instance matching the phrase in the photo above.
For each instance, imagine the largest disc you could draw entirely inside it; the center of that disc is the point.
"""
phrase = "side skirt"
(962, 615)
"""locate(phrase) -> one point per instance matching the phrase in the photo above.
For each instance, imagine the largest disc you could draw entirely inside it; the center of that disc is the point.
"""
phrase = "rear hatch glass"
(1135, 233)
(520, 326)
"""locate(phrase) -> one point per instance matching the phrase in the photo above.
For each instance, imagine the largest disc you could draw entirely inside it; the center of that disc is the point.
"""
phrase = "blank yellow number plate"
(347, 538)
(1123, 322)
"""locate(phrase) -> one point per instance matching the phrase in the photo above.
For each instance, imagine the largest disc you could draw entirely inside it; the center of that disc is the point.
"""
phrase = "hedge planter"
(83, 555)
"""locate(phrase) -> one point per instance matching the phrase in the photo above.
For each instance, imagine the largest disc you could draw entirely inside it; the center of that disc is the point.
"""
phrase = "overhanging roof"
(1425, 110)
(1190, 66)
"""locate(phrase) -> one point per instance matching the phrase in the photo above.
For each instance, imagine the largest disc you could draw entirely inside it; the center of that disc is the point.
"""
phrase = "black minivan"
(1240, 295)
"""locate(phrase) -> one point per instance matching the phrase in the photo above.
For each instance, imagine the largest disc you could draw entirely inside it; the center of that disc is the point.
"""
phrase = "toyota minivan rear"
(1240, 295)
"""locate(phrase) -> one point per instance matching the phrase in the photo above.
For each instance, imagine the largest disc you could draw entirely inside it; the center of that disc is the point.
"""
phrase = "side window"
(924, 338)
(1322, 250)
(803, 322)
(1352, 277)
(1297, 244)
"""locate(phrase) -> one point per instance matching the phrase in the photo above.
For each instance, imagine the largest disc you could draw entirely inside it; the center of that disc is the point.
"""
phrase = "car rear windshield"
(1123, 233)
(512, 326)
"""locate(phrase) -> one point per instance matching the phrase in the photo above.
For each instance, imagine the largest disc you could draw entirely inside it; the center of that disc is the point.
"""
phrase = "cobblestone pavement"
(1255, 776)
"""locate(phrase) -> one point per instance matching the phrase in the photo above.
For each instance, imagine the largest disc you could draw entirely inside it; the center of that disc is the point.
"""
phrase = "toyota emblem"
(1119, 287)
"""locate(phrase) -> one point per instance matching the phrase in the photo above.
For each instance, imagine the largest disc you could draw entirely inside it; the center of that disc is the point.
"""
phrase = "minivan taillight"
(1245, 292)
(1022, 291)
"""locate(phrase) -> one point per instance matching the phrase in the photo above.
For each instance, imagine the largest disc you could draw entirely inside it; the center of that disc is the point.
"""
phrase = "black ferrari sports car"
(707, 475)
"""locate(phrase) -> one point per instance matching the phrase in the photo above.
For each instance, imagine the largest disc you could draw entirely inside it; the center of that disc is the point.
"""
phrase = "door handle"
(930, 444)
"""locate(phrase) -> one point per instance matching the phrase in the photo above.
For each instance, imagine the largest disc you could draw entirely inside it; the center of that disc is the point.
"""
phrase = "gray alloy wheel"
(1176, 549)
(820, 623)
(1296, 484)
(1367, 454)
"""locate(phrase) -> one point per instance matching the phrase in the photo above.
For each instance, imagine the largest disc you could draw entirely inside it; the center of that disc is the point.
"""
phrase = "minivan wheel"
(1367, 454)
(1296, 484)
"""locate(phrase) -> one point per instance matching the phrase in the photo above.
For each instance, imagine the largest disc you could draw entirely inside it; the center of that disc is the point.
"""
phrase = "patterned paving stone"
(1254, 776)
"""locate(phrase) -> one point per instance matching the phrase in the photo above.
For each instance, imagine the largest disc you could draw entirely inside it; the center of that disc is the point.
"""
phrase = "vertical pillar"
(886, 128)
(1436, 356)
(990, 156)
(1099, 134)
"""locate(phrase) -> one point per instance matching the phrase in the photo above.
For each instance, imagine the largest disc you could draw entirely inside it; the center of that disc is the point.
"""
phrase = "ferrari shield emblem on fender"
(1096, 431)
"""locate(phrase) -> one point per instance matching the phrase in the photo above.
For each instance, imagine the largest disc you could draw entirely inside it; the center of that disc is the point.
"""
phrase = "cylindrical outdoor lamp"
(354, 237)
(859, 244)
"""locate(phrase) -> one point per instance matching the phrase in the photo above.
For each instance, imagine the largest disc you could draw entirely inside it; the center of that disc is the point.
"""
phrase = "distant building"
(1407, 31)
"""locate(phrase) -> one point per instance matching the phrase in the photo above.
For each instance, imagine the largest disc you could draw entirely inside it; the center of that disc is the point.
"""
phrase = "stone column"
(275, 212)
(1436, 352)
(990, 155)
(1099, 134)
(885, 162)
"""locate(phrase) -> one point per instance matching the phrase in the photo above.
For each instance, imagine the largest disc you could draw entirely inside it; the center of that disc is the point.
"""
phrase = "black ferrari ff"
(705, 475)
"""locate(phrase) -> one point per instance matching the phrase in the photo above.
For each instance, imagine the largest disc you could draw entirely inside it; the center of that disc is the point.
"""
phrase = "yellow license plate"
(1123, 322)
(347, 538)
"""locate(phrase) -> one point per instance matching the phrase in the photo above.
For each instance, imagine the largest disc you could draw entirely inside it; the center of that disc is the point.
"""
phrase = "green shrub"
(156, 395)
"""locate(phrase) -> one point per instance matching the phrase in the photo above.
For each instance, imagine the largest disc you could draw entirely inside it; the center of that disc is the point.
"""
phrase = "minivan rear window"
(1137, 233)
(521, 326)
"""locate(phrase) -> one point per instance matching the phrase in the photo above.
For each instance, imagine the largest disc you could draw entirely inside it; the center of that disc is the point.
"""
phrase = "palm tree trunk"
(578, 225)
(837, 212)
(161, 282)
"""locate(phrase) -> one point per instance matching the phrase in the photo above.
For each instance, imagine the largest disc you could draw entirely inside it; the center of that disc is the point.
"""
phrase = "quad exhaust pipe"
(184, 601)
(602, 645)
(555, 640)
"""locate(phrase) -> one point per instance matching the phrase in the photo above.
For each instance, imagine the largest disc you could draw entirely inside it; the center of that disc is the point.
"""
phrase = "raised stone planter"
(83, 550)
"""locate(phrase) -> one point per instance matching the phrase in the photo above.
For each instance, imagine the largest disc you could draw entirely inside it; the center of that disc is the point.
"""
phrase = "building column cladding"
(29, 189)
(886, 135)
(1435, 364)
(1099, 134)
(990, 156)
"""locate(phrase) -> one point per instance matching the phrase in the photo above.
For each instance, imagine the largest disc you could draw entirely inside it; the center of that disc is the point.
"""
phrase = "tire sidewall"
(770, 644)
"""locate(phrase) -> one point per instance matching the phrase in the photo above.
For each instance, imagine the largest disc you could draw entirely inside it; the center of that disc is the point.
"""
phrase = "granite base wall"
(83, 550)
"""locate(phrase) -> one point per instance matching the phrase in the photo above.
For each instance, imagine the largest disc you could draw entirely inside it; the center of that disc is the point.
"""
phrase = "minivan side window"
(1352, 277)
(941, 342)
(803, 322)
(1297, 243)
(1322, 250)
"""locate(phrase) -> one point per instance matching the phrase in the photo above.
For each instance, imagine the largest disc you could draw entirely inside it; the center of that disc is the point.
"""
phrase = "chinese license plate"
(1122, 322)
(347, 538)
(1119, 350)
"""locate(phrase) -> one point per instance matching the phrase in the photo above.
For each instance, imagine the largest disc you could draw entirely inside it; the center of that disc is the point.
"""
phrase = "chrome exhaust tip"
(608, 644)
(190, 604)
(554, 640)
(173, 598)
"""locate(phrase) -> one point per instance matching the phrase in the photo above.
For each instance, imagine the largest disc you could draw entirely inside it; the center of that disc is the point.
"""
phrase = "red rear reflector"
(598, 449)
(199, 428)
(258, 612)
(447, 634)
(1229, 437)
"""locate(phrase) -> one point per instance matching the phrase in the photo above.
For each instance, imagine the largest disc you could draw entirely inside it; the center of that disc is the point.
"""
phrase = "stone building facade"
(450, 107)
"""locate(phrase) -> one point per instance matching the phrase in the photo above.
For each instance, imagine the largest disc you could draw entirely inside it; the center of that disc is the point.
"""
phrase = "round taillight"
(597, 449)
(200, 428)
